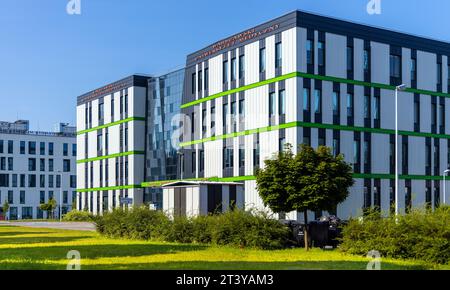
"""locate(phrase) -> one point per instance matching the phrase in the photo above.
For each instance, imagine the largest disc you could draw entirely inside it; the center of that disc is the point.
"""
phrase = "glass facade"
(164, 101)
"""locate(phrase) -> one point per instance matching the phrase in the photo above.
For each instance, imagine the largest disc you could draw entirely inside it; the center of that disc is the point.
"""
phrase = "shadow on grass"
(33, 255)
(11, 234)
(38, 240)
(229, 265)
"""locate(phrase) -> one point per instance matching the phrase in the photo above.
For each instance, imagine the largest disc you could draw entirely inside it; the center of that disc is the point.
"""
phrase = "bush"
(235, 228)
(420, 235)
(79, 216)
(138, 223)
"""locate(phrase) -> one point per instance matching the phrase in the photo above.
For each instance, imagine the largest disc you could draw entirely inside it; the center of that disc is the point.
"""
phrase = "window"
(99, 142)
(439, 73)
(10, 164)
(321, 53)
(442, 116)
(433, 115)
(206, 78)
(32, 148)
(50, 195)
(50, 149)
(233, 69)
(225, 117)
(74, 150)
(112, 108)
(65, 197)
(42, 181)
(317, 101)
(1, 146)
(58, 180)
(32, 180)
(272, 104)
(349, 58)
(193, 82)
(242, 66)
(213, 122)
(194, 162)
(10, 197)
(126, 101)
(22, 147)
(281, 144)
(101, 111)
(200, 81)
(42, 148)
(395, 64)
(417, 113)
(282, 102)
(356, 148)
(73, 178)
(31, 164)
(366, 107)
(241, 109)
(204, 122)
(306, 99)
(228, 157)
(65, 149)
(233, 115)
(3, 163)
(336, 147)
(366, 153)
(309, 52)
(121, 97)
(413, 68)
(262, 60)
(350, 102)
(376, 108)
(50, 165)
(126, 136)
(366, 63)
(66, 165)
(278, 55)
(22, 180)
(42, 197)
(14, 180)
(225, 71)
(336, 103)
(50, 181)
(202, 160)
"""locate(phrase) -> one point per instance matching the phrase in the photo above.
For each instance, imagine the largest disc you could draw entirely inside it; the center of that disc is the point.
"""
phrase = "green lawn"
(29, 248)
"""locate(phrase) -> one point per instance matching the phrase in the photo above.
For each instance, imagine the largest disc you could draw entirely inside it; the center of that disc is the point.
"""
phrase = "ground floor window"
(27, 213)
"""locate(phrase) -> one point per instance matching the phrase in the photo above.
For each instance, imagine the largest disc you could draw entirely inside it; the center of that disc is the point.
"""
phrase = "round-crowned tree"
(312, 180)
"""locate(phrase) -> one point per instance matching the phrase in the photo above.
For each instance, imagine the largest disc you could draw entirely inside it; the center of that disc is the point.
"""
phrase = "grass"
(31, 248)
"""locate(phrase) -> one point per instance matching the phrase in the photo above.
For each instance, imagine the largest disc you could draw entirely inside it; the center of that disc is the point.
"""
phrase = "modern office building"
(304, 78)
(36, 167)
(300, 78)
(111, 124)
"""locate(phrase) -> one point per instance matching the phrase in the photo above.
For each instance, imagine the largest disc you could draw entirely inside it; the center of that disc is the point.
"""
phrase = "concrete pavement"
(53, 225)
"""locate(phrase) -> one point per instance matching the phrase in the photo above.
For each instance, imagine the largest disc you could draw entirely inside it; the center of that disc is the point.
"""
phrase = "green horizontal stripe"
(111, 156)
(240, 89)
(317, 126)
(315, 77)
(111, 124)
(109, 188)
(249, 178)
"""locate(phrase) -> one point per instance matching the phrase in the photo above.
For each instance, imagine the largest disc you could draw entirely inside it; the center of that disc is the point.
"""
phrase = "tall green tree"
(5, 208)
(49, 207)
(312, 180)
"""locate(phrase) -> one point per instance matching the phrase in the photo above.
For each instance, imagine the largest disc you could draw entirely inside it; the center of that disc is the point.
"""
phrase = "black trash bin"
(318, 232)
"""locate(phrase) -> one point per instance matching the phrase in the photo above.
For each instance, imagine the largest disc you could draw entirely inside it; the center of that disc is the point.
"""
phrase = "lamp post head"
(401, 88)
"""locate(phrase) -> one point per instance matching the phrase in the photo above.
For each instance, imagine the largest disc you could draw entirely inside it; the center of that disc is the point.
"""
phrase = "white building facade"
(303, 78)
(34, 168)
(111, 145)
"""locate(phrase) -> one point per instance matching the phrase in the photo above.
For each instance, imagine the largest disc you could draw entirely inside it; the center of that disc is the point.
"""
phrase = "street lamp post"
(60, 195)
(397, 208)
(446, 172)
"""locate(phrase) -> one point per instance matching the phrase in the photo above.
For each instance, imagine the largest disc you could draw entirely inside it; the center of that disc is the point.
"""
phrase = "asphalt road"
(53, 225)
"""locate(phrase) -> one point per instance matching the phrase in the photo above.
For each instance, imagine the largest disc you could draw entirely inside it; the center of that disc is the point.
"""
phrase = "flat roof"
(318, 22)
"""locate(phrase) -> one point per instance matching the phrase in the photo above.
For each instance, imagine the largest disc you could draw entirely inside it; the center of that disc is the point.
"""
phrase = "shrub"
(235, 228)
(420, 235)
(78, 216)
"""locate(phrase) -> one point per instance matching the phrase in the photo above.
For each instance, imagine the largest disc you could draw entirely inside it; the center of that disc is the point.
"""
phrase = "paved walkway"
(53, 225)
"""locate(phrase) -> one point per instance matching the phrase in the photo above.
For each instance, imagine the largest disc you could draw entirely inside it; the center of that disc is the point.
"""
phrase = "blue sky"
(48, 58)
